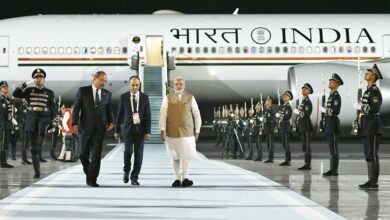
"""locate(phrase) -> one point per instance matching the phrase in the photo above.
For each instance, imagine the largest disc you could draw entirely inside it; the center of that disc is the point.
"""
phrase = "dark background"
(15, 8)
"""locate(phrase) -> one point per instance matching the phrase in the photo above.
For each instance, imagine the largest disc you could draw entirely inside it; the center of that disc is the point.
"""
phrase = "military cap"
(308, 86)
(336, 77)
(3, 84)
(269, 98)
(38, 72)
(289, 94)
(375, 70)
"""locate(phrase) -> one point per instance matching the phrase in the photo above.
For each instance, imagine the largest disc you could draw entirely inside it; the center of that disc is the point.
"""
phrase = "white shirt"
(194, 109)
(136, 99)
(65, 119)
(94, 93)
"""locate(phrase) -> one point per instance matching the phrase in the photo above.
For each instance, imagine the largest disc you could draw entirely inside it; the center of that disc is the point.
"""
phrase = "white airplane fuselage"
(222, 57)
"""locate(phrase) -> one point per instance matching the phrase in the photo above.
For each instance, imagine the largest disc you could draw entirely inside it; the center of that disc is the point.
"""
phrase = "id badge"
(136, 119)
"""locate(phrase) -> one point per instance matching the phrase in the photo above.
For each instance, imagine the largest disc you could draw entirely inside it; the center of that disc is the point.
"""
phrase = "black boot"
(367, 185)
(3, 160)
(37, 166)
(24, 157)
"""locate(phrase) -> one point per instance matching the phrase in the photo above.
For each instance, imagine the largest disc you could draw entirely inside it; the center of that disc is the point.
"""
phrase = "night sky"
(15, 8)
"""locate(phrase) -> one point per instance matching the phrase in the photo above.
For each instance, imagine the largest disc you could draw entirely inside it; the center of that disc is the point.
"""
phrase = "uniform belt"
(370, 114)
(37, 109)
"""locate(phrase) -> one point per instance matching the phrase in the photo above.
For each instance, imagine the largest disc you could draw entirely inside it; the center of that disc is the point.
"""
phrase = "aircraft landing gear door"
(4, 51)
(154, 51)
(386, 46)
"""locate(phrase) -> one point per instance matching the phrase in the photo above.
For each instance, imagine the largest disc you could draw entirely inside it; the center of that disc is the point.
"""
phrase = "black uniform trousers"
(305, 140)
(269, 138)
(285, 138)
(134, 143)
(90, 154)
(333, 140)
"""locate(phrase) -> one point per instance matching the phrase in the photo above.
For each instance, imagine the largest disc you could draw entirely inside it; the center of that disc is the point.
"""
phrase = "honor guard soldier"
(249, 132)
(332, 123)
(40, 114)
(371, 128)
(240, 134)
(268, 120)
(285, 130)
(258, 131)
(6, 123)
(305, 126)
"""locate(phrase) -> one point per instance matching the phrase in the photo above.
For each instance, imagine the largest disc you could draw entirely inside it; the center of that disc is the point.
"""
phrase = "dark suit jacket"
(124, 118)
(92, 119)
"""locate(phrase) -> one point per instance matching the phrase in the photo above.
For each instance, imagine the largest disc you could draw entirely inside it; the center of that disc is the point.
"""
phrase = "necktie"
(97, 98)
(134, 104)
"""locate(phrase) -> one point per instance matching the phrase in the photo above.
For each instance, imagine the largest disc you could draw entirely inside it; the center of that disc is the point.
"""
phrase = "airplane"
(224, 58)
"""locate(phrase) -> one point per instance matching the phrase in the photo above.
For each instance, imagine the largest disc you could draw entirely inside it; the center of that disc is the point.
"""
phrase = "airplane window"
(21, 50)
(221, 50)
(309, 50)
(181, 49)
(349, 49)
(333, 49)
(373, 49)
(68, 50)
(213, 50)
(197, 50)
(37, 50)
(28, 50)
(53, 50)
(285, 49)
(365, 49)
(237, 50)
(85, 50)
(341, 49)
(325, 49)
(277, 49)
(61, 50)
(317, 49)
(76, 50)
(293, 50)
(44, 50)
(189, 49)
(205, 49)
(301, 49)
(357, 49)
(230, 50)
(245, 49)
(124, 50)
(269, 49)
(92, 50)
(117, 50)
(261, 49)
(253, 49)
(101, 50)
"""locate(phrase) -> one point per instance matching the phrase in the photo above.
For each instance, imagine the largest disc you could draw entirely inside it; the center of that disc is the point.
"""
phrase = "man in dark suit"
(92, 112)
(133, 124)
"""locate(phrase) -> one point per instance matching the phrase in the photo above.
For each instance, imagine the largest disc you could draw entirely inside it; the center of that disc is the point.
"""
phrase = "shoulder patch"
(375, 99)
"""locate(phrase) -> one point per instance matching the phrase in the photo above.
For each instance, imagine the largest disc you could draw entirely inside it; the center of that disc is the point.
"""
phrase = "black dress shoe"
(177, 183)
(42, 160)
(53, 159)
(186, 183)
(26, 162)
(368, 185)
(305, 167)
(6, 165)
(126, 177)
(330, 173)
(135, 183)
(268, 161)
(258, 159)
(285, 163)
(37, 175)
(93, 184)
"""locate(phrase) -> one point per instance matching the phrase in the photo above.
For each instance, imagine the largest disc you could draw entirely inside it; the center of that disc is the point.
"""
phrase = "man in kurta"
(180, 123)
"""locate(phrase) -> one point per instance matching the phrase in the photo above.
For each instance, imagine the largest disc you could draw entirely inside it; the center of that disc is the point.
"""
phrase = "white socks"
(176, 168)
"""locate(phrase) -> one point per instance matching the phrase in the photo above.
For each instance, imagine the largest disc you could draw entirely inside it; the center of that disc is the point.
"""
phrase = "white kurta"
(181, 147)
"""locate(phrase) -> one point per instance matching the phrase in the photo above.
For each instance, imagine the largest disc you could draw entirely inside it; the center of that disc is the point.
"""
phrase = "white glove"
(261, 118)
(277, 115)
(296, 111)
(14, 122)
(357, 106)
(322, 109)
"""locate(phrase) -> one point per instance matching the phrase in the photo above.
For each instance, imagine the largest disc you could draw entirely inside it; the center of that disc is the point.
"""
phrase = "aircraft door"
(4, 51)
(386, 46)
(154, 51)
